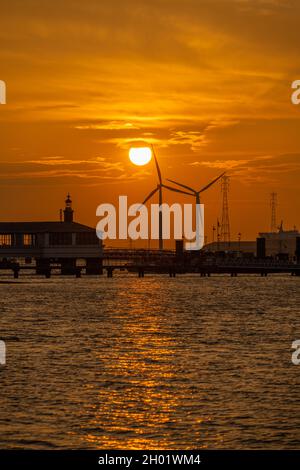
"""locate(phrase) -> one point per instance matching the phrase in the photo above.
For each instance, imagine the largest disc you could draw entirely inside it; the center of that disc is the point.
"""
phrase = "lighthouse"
(68, 211)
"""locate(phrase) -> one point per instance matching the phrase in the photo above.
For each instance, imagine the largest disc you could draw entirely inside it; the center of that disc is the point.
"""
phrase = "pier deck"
(171, 267)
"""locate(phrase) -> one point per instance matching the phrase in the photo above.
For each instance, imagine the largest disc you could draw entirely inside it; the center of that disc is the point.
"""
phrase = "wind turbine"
(193, 192)
(158, 189)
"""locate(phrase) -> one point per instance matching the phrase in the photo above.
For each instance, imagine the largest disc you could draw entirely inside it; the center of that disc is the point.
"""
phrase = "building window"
(60, 238)
(28, 239)
(87, 238)
(5, 239)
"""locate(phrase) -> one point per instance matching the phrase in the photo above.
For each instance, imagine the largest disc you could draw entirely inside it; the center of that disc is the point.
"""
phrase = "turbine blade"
(176, 190)
(157, 165)
(182, 185)
(150, 195)
(211, 183)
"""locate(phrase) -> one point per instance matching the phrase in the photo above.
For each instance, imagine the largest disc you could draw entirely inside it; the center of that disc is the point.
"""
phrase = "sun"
(140, 155)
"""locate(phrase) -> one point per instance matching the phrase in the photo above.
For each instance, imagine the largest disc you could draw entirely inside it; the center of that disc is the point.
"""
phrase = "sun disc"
(140, 155)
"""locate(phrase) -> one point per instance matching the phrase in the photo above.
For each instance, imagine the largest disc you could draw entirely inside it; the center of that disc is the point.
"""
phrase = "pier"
(163, 264)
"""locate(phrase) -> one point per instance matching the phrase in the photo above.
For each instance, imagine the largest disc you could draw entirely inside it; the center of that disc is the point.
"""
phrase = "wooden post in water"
(16, 273)
(109, 272)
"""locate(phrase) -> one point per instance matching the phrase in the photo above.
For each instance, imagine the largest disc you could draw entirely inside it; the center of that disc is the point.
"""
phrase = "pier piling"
(109, 272)
(16, 273)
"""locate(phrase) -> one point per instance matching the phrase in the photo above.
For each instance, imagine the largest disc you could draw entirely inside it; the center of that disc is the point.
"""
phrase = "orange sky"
(207, 81)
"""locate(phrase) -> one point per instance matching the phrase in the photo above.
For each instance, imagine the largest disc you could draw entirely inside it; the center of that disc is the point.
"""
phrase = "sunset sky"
(208, 82)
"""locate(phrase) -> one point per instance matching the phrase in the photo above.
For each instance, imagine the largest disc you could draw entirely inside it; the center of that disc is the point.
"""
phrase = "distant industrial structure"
(273, 204)
(244, 247)
(48, 244)
(278, 244)
(281, 244)
(225, 223)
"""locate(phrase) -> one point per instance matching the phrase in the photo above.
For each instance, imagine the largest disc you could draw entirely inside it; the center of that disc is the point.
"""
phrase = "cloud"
(193, 139)
(268, 169)
(160, 60)
(57, 168)
(110, 125)
(221, 164)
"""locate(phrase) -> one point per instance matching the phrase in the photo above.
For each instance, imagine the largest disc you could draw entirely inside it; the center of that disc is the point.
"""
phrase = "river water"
(153, 363)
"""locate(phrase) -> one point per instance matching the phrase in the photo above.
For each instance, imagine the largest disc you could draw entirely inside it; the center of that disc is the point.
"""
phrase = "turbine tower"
(225, 224)
(273, 204)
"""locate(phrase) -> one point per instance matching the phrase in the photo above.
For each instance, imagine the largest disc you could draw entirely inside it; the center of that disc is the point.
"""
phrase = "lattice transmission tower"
(225, 224)
(273, 204)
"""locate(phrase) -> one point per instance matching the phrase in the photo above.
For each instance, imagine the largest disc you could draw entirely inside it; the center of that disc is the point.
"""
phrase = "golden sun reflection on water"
(139, 403)
(159, 363)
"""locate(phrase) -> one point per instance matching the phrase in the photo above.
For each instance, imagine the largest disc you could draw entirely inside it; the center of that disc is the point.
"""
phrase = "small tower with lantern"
(68, 211)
